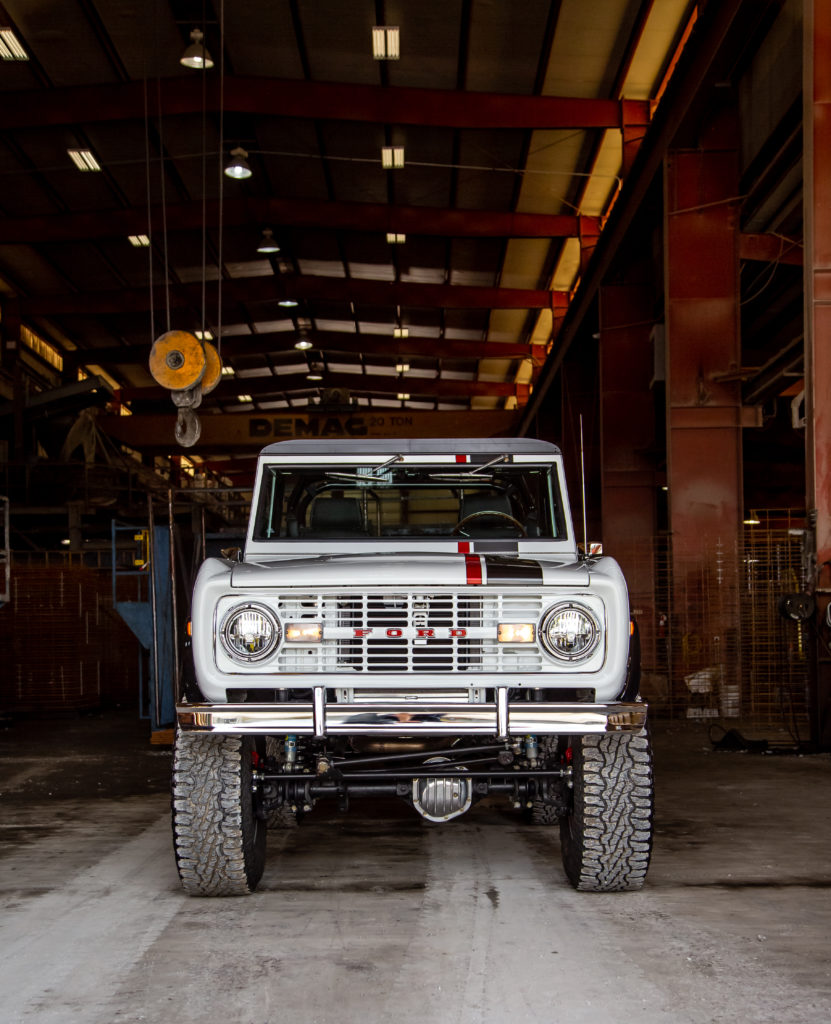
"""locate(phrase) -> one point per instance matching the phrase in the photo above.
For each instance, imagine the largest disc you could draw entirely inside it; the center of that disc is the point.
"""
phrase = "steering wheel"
(459, 527)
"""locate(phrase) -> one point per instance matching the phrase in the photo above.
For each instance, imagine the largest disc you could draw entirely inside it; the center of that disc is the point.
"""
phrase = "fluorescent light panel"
(83, 159)
(386, 42)
(400, 332)
(396, 238)
(204, 335)
(392, 157)
(10, 48)
(139, 241)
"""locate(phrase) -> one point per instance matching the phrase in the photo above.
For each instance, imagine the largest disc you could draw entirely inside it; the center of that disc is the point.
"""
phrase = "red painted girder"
(277, 97)
(250, 432)
(412, 220)
(704, 440)
(355, 382)
(636, 118)
(326, 341)
(627, 432)
(770, 249)
(270, 289)
(817, 277)
(712, 26)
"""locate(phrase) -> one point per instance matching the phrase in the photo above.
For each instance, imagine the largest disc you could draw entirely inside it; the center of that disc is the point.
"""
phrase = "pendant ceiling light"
(238, 167)
(196, 56)
(267, 243)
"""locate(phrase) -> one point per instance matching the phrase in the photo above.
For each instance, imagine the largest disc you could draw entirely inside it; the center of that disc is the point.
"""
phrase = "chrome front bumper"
(398, 718)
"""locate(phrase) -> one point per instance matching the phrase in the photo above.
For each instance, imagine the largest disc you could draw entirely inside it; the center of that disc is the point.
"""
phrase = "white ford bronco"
(411, 619)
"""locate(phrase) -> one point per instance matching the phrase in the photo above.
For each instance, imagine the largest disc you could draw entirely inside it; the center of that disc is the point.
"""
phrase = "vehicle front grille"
(410, 632)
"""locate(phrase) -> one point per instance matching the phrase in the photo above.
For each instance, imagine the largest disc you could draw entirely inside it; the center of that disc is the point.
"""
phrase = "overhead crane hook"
(188, 368)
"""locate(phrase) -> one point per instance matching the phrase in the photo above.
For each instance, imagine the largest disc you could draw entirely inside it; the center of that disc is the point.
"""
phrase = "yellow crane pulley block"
(177, 360)
(213, 369)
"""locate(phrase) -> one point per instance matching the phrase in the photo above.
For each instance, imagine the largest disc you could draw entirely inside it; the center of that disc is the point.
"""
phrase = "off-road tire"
(540, 813)
(218, 839)
(606, 837)
(283, 817)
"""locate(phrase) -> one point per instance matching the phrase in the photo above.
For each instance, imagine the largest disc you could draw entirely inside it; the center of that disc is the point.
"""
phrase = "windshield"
(385, 499)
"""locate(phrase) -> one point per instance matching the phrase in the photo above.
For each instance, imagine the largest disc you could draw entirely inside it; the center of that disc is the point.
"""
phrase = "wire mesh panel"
(705, 663)
(63, 646)
(774, 648)
(714, 644)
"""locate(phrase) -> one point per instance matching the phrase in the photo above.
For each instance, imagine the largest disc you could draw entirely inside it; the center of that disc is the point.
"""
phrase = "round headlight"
(570, 632)
(250, 632)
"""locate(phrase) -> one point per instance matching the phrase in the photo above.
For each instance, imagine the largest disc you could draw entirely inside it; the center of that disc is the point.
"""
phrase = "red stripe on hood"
(473, 567)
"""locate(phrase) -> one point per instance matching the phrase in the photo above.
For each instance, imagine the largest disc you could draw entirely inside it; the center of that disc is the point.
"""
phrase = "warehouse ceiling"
(451, 283)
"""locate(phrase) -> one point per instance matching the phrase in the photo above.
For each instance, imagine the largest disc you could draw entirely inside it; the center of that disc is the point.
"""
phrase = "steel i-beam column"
(817, 200)
(704, 471)
(627, 431)
(10, 333)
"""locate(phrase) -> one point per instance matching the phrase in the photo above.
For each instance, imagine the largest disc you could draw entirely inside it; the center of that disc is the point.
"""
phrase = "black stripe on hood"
(512, 570)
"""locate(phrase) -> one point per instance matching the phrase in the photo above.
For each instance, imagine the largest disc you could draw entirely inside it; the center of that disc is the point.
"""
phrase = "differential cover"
(444, 798)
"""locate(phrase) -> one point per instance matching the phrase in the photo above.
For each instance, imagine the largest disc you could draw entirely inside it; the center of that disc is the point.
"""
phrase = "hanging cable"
(149, 208)
(204, 72)
(221, 174)
(164, 205)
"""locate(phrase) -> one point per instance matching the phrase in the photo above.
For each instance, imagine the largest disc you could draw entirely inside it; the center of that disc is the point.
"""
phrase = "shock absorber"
(532, 750)
(290, 752)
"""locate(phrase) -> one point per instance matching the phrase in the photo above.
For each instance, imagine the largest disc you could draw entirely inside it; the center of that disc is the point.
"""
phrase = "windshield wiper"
(372, 475)
(464, 474)
(389, 462)
(485, 465)
(354, 476)
(457, 478)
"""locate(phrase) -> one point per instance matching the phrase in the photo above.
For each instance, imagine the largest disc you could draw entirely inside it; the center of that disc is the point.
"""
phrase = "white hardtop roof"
(414, 446)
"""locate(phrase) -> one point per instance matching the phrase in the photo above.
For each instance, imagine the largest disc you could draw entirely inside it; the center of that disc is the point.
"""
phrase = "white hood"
(406, 569)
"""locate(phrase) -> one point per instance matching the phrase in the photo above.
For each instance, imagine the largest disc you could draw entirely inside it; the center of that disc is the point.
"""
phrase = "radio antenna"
(583, 490)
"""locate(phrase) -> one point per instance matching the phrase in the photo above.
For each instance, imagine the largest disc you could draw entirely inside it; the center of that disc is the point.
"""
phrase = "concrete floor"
(380, 917)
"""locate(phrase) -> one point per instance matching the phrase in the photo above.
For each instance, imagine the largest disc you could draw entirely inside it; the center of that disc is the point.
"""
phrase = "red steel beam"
(277, 97)
(240, 432)
(355, 382)
(627, 437)
(681, 92)
(770, 249)
(703, 407)
(704, 411)
(817, 277)
(375, 217)
(271, 289)
(326, 341)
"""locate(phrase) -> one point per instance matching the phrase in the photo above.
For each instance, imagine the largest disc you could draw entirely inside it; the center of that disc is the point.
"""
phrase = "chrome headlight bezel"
(591, 627)
(272, 642)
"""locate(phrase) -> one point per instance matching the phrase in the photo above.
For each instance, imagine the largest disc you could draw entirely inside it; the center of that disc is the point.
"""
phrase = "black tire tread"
(220, 846)
(541, 813)
(283, 817)
(606, 839)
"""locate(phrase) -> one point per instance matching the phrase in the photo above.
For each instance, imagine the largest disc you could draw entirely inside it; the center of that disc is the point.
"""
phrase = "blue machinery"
(151, 608)
(151, 616)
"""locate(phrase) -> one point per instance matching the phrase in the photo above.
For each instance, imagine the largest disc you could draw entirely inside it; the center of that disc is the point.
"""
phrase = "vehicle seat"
(337, 517)
(487, 526)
